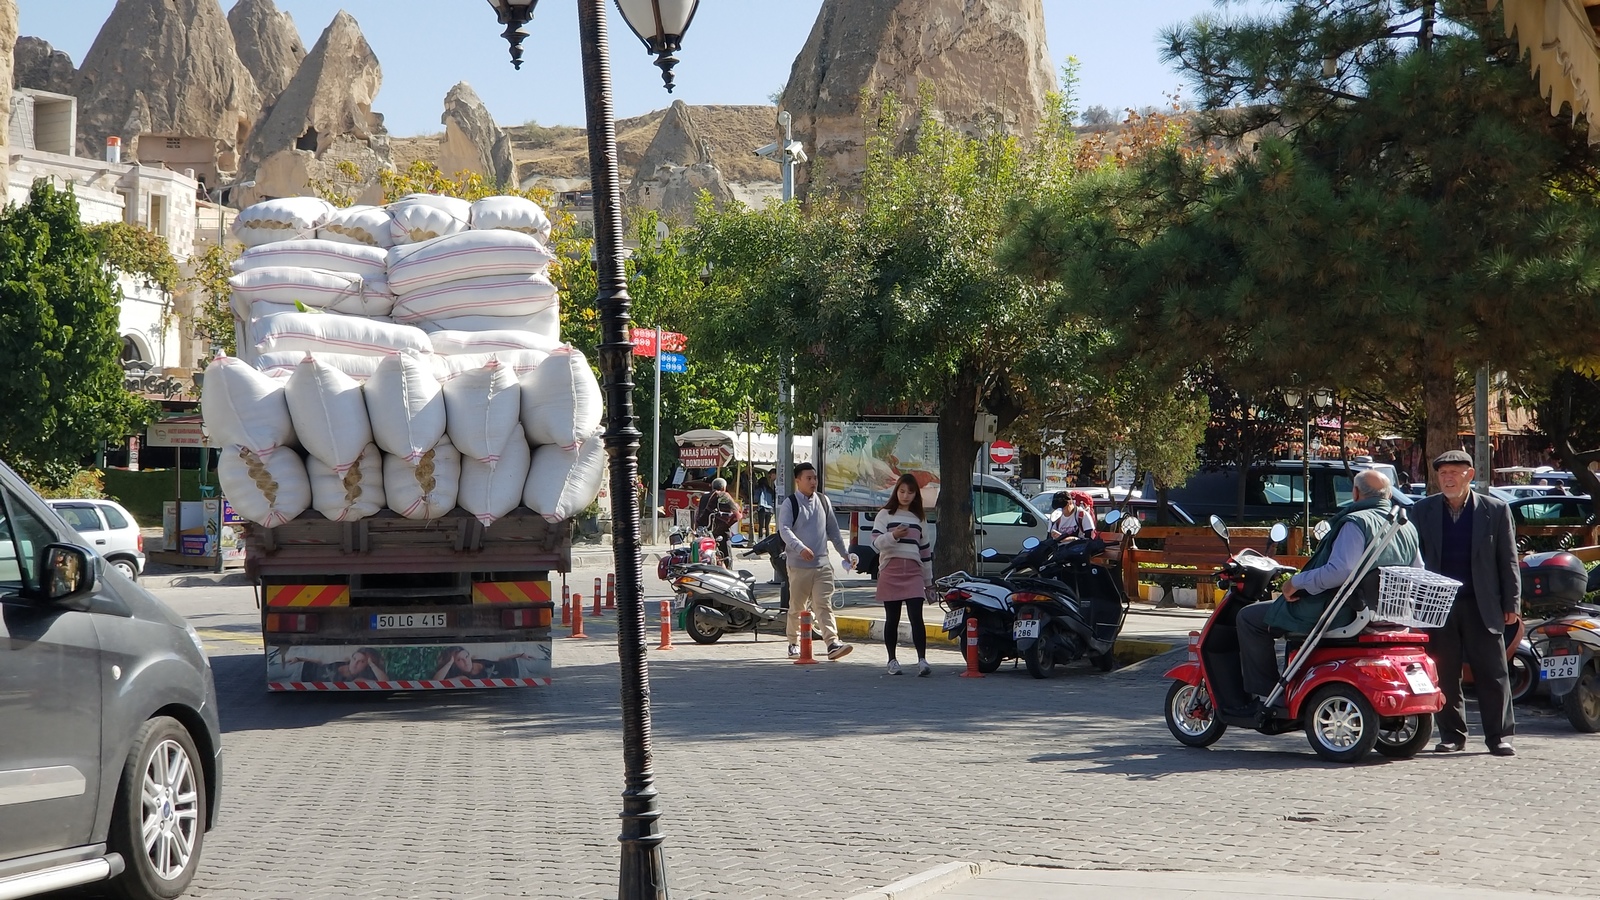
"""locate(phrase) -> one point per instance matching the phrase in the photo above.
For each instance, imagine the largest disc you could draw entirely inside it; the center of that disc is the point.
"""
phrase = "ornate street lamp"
(643, 871)
(1303, 401)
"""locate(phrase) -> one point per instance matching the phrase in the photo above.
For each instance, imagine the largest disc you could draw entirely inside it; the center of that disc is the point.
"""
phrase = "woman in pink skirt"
(905, 568)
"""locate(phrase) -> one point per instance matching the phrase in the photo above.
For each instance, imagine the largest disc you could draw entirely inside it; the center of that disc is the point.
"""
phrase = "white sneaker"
(923, 669)
(794, 650)
(894, 667)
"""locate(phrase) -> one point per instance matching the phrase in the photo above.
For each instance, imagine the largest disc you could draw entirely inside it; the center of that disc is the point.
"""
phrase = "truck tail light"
(525, 618)
(292, 623)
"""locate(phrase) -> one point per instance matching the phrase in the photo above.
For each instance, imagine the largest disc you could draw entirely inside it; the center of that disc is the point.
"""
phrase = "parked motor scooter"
(1054, 626)
(1352, 689)
(1568, 641)
(772, 548)
(987, 600)
(717, 601)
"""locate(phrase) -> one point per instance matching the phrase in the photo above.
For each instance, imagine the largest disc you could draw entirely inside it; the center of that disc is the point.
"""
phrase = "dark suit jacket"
(1494, 552)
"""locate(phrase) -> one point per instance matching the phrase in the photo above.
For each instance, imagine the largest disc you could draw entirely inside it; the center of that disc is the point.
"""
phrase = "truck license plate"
(387, 621)
(1559, 666)
(1025, 628)
(955, 618)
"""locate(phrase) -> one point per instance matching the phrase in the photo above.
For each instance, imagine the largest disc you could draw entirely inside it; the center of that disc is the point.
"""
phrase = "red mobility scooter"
(1363, 686)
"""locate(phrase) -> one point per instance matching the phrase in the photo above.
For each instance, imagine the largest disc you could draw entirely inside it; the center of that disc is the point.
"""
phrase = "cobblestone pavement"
(823, 781)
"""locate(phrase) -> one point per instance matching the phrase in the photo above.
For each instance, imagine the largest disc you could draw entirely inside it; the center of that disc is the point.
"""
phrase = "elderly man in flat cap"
(1470, 537)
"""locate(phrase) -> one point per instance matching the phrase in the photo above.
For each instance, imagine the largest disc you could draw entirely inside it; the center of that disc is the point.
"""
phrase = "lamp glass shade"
(660, 24)
(1324, 397)
(1291, 397)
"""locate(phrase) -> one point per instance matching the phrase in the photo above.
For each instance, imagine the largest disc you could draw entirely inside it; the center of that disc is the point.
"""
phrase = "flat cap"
(1450, 458)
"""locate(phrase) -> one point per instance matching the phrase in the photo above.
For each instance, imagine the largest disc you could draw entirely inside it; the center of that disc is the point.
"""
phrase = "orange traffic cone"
(805, 639)
(666, 626)
(972, 650)
(577, 618)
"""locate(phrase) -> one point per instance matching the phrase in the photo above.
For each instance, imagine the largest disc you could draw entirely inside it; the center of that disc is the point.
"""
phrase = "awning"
(757, 447)
(1560, 37)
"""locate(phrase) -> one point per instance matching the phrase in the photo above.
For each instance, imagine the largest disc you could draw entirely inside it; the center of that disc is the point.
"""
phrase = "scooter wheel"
(1405, 736)
(1040, 660)
(990, 654)
(700, 635)
(1582, 703)
(1341, 724)
(1192, 716)
(1105, 662)
(1523, 668)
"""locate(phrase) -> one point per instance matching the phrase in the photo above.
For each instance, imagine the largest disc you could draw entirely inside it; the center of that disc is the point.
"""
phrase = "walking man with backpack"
(807, 525)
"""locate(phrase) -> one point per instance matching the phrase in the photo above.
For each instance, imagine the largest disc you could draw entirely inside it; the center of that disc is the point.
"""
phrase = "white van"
(1004, 520)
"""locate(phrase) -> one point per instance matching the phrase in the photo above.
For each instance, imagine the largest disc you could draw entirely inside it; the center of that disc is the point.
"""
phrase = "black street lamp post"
(660, 24)
(1304, 401)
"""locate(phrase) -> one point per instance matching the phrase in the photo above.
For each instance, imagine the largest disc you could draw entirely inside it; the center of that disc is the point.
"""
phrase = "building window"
(174, 143)
(158, 214)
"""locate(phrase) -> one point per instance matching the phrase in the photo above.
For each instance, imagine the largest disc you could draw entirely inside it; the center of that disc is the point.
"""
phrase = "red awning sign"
(644, 342)
(1001, 453)
(713, 457)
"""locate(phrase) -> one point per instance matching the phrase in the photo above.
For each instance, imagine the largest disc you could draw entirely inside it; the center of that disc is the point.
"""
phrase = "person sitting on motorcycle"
(1068, 519)
(719, 512)
(1308, 593)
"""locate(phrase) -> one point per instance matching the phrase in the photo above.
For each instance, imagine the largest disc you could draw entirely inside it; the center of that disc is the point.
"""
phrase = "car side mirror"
(66, 575)
(1028, 521)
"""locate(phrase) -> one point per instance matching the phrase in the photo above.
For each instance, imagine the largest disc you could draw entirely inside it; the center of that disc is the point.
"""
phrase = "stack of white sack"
(413, 351)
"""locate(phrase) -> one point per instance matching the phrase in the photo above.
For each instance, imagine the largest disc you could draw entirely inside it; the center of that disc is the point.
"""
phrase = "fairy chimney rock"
(35, 64)
(268, 44)
(985, 60)
(472, 140)
(675, 168)
(167, 69)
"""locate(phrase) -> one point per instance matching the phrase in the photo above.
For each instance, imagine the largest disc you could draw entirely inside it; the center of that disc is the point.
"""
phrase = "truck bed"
(390, 543)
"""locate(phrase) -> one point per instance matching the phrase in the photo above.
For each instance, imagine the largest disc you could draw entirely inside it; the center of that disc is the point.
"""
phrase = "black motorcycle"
(1075, 612)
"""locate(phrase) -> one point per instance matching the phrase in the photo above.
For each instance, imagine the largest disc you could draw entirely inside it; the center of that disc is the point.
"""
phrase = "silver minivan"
(110, 751)
(1003, 520)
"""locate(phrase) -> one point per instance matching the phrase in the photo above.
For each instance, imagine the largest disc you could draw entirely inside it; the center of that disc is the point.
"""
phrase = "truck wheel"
(159, 821)
(1340, 724)
(1582, 703)
(1191, 716)
(699, 634)
(1405, 736)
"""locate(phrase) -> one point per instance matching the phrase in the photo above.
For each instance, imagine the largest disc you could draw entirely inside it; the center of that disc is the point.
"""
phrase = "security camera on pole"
(789, 153)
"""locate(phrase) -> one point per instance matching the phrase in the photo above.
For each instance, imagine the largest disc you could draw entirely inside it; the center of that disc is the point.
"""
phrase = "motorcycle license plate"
(1419, 681)
(1026, 628)
(1559, 666)
(955, 618)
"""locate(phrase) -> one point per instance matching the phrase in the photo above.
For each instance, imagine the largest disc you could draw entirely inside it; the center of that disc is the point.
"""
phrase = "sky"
(736, 52)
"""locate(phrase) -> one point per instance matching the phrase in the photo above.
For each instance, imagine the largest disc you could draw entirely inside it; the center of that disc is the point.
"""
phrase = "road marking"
(217, 634)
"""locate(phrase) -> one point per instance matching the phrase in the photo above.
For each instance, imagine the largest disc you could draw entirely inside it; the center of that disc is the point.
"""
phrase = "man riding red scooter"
(1350, 684)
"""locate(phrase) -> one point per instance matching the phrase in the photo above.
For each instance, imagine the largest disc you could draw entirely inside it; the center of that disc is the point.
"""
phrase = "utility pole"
(791, 155)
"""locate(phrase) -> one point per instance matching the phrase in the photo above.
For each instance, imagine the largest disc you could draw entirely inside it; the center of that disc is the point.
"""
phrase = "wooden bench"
(1193, 552)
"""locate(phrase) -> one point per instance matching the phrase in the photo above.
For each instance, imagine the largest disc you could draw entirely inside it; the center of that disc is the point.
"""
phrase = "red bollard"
(972, 650)
(806, 658)
(577, 618)
(666, 626)
(611, 590)
(566, 605)
(597, 597)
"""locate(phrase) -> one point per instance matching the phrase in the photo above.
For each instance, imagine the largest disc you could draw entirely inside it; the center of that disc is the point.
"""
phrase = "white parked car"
(107, 527)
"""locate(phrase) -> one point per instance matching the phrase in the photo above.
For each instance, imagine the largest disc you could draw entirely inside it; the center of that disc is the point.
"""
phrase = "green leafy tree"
(59, 340)
(213, 312)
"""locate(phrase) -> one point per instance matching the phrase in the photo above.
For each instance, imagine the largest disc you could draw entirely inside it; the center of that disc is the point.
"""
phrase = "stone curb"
(929, 883)
(862, 628)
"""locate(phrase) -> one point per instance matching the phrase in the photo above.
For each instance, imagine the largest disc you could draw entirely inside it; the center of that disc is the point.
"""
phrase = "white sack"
(546, 323)
(268, 491)
(468, 254)
(455, 343)
(421, 217)
(510, 296)
(242, 406)
(406, 405)
(369, 225)
(355, 494)
(284, 219)
(561, 482)
(330, 256)
(345, 292)
(481, 408)
(511, 214)
(426, 490)
(522, 362)
(489, 492)
(560, 400)
(314, 332)
(329, 413)
(282, 363)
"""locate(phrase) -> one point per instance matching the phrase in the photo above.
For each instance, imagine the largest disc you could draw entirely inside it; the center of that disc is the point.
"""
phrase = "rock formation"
(323, 117)
(676, 167)
(472, 140)
(165, 67)
(37, 65)
(986, 61)
(8, 41)
(268, 44)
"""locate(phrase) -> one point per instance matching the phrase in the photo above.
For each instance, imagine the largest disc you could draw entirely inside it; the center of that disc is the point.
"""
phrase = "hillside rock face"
(8, 42)
(35, 64)
(472, 141)
(322, 117)
(986, 61)
(165, 67)
(675, 168)
(268, 44)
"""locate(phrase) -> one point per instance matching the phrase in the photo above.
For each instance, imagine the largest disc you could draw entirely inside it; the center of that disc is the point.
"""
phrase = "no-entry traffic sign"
(1001, 453)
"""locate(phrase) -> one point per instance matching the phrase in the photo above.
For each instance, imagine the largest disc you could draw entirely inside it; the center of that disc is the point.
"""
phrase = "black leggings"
(891, 625)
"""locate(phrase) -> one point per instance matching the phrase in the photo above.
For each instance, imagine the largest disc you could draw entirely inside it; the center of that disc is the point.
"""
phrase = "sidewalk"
(1147, 632)
(987, 881)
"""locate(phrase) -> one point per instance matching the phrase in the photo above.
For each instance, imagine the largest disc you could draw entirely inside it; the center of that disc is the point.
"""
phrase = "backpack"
(794, 505)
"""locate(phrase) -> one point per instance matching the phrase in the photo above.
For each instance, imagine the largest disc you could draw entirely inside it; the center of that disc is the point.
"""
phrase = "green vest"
(1372, 517)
